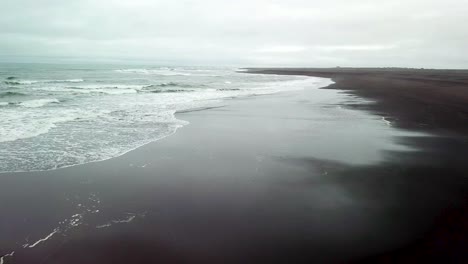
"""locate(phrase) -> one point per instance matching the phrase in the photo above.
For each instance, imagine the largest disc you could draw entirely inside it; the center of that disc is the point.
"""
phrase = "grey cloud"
(414, 33)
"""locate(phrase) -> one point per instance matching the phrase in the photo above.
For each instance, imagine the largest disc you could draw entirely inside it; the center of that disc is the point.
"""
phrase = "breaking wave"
(85, 116)
(162, 71)
(14, 81)
(38, 102)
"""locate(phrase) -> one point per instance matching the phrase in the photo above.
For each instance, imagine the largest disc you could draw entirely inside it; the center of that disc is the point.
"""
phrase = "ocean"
(55, 116)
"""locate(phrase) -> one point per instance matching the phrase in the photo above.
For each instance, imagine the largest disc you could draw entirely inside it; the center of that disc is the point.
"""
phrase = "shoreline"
(204, 108)
(263, 190)
(443, 91)
(433, 101)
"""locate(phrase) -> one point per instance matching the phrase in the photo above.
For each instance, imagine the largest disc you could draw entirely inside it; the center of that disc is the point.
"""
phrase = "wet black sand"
(228, 188)
(432, 185)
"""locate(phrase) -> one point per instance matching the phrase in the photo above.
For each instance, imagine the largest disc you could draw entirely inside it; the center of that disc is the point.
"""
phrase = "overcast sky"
(408, 33)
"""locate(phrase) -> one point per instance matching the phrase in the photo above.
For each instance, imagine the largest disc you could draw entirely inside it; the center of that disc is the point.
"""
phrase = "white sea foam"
(388, 123)
(30, 82)
(5, 256)
(121, 113)
(38, 102)
(90, 90)
(107, 86)
(43, 239)
(25, 81)
(28, 124)
(65, 81)
(104, 225)
(139, 71)
(162, 71)
(27, 130)
(124, 220)
(111, 91)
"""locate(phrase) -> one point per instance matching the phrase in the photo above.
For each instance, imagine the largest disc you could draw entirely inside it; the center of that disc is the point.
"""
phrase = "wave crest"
(38, 102)
(14, 81)
(162, 71)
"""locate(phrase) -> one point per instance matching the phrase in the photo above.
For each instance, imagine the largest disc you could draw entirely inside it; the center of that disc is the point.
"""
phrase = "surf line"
(7, 255)
(41, 240)
(386, 121)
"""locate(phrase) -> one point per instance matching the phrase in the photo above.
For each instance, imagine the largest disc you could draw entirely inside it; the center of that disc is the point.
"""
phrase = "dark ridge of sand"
(429, 100)
(243, 184)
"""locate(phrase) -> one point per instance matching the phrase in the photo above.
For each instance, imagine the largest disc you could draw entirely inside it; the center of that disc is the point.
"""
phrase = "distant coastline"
(403, 93)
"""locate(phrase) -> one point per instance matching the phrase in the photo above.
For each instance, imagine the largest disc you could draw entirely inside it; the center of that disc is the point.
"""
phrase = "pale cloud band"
(412, 33)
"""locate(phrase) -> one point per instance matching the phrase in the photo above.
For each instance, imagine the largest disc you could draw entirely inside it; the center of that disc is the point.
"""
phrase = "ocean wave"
(81, 90)
(38, 102)
(228, 89)
(163, 72)
(107, 86)
(172, 72)
(115, 91)
(14, 81)
(170, 87)
(30, 123)
(169, 84)
(17, 129)
(118, 90)
(172, 84)
(64, 81)
(10, 94)
(109, 91)
(170, 91)
(131, 121)
(20, 82)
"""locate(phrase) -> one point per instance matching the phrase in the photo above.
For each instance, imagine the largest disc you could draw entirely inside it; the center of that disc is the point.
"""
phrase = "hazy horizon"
(415, 33)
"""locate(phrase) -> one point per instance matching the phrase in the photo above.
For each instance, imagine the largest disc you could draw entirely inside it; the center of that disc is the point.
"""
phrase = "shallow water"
(55, 116)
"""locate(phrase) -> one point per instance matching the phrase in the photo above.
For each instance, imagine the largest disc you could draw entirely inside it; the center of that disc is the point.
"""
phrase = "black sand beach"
(431, 183)
(243, 184)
